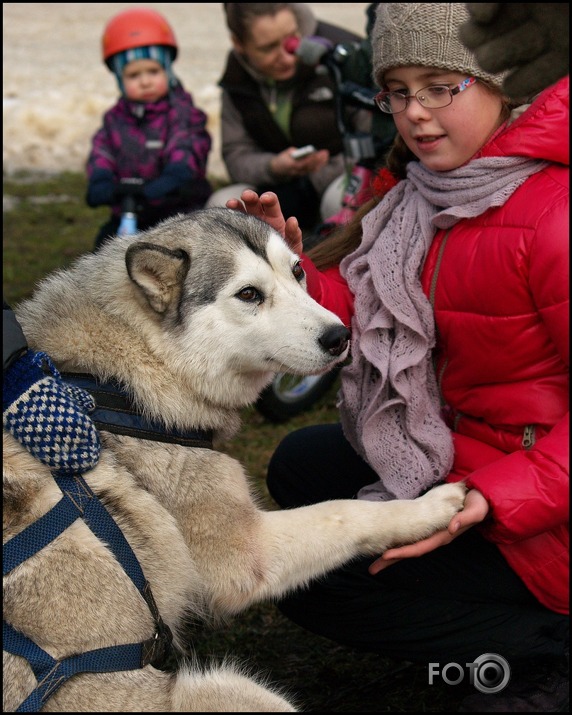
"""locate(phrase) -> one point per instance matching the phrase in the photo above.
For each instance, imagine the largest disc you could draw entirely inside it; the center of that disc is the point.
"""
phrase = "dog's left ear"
(158, 271)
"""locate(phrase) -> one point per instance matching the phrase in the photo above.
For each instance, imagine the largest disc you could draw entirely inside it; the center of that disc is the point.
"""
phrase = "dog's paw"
(444, 501)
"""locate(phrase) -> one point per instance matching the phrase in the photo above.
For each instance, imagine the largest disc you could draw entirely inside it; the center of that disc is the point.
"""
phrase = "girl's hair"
(241, 15)
(345, 239)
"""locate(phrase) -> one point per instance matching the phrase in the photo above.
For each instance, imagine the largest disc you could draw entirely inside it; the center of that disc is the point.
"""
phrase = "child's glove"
(531, 40)
(49, 417)
(101, 189)
(170, 182)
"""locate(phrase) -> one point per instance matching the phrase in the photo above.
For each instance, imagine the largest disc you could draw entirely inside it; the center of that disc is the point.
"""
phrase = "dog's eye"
(298, 272)
(250, 295)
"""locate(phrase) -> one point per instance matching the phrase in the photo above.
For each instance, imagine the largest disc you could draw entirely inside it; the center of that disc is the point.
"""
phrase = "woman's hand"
(267, 207)
(475, 510)
(284, 166)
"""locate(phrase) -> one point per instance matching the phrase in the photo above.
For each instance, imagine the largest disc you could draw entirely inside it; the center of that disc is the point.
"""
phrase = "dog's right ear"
(158, 272)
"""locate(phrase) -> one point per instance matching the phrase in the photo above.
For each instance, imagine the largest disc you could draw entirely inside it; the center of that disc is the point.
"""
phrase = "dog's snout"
(335, 340)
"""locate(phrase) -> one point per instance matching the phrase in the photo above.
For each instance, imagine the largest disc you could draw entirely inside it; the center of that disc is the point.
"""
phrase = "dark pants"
(453, 604)
(299, 198)
(106, 232)
(144, 221)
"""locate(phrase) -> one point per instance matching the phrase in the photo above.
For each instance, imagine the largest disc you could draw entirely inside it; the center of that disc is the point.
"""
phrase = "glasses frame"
(465, 84)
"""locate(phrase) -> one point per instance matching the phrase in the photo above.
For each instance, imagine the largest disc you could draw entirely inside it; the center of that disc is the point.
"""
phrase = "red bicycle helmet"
(136, 27)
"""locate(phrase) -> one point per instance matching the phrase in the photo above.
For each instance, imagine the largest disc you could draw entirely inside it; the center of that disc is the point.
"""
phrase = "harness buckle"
(156, 651)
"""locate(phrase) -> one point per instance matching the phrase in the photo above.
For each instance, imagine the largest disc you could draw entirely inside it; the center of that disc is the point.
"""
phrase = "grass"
(46, 226)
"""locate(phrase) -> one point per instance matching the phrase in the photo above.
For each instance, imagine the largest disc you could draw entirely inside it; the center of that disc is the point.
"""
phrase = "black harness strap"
(79, 501)
(51, 673)
(115, 413)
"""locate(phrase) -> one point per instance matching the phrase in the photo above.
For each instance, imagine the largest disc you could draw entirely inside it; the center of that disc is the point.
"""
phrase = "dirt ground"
(56, 87)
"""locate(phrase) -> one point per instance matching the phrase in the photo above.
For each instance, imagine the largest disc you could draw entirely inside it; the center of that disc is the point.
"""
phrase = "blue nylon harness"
(114, 413)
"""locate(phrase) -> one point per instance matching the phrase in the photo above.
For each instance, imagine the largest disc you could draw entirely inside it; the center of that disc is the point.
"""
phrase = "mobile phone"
(303, 151)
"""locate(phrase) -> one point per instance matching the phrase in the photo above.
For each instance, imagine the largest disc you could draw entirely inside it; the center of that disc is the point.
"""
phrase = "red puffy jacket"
(501, 301)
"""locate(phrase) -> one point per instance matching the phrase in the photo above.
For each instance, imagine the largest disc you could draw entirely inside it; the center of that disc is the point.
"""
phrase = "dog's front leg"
(296, 545)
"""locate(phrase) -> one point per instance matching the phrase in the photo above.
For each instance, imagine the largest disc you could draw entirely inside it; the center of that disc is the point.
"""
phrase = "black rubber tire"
(288, 395)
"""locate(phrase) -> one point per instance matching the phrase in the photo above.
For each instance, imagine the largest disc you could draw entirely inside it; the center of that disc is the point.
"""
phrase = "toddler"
(153, 145)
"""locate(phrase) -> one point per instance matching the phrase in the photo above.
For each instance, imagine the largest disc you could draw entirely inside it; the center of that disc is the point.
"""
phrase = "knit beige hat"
(425, 34)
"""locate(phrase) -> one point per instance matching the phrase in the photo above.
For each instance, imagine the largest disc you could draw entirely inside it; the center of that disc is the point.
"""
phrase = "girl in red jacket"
(455, 283)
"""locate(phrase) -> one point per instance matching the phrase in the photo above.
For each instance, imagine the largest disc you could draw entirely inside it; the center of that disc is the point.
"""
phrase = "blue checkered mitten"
(49, 417)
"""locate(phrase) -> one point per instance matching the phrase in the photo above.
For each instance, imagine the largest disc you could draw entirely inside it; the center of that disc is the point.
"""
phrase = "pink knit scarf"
(389, 399)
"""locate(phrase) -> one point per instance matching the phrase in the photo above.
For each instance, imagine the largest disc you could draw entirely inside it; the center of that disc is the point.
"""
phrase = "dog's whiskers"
(273, 357)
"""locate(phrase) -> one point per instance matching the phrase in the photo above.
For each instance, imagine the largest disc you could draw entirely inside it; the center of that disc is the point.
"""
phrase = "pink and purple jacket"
(164, 143)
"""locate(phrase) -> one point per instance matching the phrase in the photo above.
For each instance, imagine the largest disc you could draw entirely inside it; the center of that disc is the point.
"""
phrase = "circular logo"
(491, 673)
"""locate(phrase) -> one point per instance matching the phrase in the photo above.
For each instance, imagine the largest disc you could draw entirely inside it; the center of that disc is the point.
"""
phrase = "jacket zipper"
(528, 437)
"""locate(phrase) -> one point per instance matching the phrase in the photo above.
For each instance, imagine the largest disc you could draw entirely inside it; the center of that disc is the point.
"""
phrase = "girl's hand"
(267, 207)
(475, 510)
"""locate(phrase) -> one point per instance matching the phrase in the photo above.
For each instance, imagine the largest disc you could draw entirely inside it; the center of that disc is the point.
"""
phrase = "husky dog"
(192, 318)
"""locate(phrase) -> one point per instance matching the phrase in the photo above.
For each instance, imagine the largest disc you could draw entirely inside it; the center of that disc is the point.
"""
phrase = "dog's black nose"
(335, 340)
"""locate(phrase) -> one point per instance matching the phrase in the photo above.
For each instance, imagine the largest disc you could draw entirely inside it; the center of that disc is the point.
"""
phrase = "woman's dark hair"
(240, 15)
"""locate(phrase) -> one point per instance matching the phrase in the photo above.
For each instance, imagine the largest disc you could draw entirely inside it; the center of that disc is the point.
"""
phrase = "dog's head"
(227, 301)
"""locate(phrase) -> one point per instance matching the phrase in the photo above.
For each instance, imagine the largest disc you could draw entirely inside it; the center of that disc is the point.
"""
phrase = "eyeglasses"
(434, 97)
